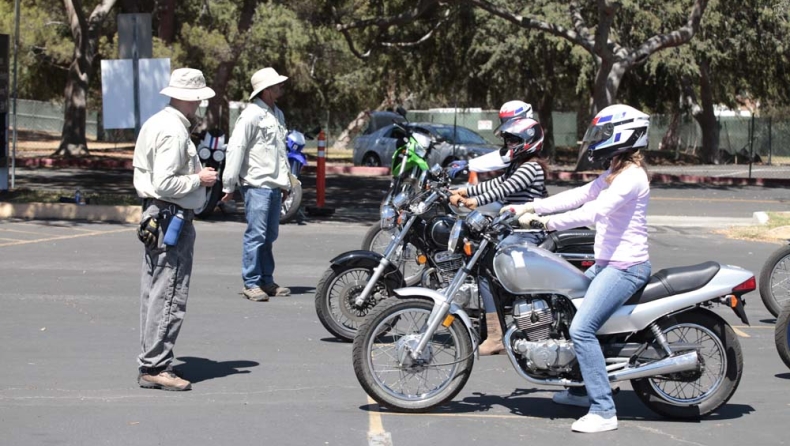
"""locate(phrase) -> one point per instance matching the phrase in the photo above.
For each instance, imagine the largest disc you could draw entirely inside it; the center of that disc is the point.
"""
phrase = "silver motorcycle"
(416, 352)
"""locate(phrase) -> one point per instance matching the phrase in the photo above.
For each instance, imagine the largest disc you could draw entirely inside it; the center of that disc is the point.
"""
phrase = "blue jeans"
(608, 291)
(262, 209)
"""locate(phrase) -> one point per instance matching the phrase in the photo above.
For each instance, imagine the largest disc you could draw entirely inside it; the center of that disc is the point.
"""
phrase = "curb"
(83, 163)
(66, 211)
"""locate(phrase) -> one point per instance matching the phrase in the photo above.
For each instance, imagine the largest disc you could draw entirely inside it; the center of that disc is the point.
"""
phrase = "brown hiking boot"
(273, 289)
(165, 380)
(255, 294)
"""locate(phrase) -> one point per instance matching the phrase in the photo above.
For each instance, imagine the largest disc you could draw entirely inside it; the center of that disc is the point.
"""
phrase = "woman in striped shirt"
(522, 182)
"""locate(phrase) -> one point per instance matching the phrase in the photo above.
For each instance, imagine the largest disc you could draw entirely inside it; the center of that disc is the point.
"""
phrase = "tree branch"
(606, 12)
(531, 23)
(675, 38)
(421, 39)
(578, 21)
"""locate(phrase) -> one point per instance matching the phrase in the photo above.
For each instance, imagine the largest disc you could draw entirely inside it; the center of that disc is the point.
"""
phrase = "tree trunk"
(352, 130)
(607, 82)
(167, 20)
(545, 107)
(86, 35)
(215, 118)
(707, 117)
(671, 138)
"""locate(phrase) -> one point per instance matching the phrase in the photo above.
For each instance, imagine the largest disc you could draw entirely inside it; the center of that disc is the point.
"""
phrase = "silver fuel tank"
(524, 268)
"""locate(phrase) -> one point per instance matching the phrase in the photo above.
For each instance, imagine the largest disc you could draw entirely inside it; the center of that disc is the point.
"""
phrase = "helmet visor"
(598, 133)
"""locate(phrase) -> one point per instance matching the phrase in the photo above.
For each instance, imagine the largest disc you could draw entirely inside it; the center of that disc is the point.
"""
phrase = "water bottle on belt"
(174, 229)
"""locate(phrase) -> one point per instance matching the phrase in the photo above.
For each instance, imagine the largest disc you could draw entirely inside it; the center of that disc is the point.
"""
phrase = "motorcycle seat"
(558, 241)
(677, 280)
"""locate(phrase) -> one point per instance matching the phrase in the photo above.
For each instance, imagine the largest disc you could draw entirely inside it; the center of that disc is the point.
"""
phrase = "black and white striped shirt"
(516, 186)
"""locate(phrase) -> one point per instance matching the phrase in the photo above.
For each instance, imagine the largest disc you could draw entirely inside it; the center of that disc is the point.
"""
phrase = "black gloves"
(148, 232)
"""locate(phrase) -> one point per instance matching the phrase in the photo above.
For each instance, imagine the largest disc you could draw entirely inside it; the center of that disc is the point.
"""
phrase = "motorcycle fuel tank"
(438, 231)
(523, 268)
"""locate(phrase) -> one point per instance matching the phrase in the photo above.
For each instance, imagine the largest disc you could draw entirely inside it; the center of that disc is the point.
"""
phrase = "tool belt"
(167, 208)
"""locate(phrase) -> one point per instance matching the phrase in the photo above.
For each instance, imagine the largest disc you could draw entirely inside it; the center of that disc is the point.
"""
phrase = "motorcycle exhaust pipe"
(675, 364)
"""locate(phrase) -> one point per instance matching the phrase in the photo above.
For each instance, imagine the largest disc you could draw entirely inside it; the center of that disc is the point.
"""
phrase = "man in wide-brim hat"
(170, 179)
(257, 162)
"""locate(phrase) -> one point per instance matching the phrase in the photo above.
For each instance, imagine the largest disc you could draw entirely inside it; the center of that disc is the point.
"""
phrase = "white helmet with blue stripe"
(616, 129)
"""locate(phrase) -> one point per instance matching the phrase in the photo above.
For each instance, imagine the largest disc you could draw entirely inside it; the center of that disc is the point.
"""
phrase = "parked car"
(450, 143)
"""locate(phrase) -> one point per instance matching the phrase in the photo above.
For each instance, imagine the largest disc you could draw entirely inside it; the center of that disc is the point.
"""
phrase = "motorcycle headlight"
(400, 200)
(204, 153)
(456, 235)
(436, 170)
(476, 221)
(388, 217)
(423, 142)
(218, 155)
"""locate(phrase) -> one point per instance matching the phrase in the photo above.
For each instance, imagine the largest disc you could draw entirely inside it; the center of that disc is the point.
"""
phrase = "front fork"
(385, 262)
(440, 309)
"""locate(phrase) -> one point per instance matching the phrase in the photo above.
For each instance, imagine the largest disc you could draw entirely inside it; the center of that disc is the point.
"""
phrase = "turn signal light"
(468, 248)
(745, 287)
(422, 259)
(448, 320)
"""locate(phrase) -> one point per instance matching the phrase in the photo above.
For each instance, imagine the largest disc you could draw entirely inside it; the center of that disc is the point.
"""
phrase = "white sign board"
(117, 79)
(485, 124)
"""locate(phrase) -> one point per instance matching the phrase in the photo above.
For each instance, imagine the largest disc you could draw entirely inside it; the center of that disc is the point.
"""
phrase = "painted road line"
(740, 333)
(64, 237)
(24, 232)
(377, 436)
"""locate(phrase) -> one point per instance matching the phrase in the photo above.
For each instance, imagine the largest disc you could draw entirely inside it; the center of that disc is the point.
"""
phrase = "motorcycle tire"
(782, 335)
(719, 341)
(213, 194)
(395, 325)
(773, 274)
(290, 206)
(377, 240)
(334, 300)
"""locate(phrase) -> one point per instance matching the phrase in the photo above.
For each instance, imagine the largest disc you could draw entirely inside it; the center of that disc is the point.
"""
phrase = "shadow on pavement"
(202, 369)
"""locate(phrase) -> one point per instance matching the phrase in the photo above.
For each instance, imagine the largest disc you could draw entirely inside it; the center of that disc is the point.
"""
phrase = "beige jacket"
(256, 154)
(166, 164)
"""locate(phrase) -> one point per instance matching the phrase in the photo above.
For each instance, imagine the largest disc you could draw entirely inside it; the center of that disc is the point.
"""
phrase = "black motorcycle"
(357, 281)
(211, 148)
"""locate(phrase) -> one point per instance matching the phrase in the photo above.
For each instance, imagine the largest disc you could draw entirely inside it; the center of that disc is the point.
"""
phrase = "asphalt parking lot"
(268, 373)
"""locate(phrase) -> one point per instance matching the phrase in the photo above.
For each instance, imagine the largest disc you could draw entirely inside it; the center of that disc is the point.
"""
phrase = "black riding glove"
(148, 232)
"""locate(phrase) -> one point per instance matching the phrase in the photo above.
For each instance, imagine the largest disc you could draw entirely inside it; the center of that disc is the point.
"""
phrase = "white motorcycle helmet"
(511, 110)
(522, 138)
(614, 130)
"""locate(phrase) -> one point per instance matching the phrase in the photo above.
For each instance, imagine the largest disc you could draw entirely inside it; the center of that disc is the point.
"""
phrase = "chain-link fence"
(48, 117)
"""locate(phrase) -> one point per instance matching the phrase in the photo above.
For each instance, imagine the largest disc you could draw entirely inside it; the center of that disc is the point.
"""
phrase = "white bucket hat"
(188, 84)
(263, 79)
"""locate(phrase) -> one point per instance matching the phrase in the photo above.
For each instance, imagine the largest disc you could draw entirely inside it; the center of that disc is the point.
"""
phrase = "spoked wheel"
(693, 394)
(782, 335)
(335, 297)
(377, 240)
(775, 280)
(387, 370)
(290, 206)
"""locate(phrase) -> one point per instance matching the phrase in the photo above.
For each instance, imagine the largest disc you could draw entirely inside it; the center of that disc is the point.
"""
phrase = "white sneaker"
(569, 399)
(593, 423)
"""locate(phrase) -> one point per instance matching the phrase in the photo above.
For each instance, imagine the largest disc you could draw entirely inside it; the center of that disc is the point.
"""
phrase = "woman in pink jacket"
(616, 204)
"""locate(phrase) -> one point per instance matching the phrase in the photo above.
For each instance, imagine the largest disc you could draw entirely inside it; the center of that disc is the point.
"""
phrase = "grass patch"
(57, 196)
(777, 229)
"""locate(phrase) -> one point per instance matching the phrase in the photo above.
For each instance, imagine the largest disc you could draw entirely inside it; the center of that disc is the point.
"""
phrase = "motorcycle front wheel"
(335, 297)
(390, 375)
(696, 393)
(782, 335)
(377, 240)
(290, 206)
(775, 280)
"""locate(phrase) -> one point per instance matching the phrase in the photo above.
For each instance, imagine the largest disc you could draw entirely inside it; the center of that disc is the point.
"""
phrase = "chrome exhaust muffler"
(674, 364)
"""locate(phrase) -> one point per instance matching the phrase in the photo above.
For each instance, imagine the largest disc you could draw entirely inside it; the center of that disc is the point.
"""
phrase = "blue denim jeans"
(608, 291)
(262, 209)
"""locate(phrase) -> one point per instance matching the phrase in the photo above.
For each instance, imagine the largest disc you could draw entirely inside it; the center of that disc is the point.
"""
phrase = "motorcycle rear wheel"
(775, 280)
(377, 240)
(692, 395)
(782, 335)
(386, 370)
(213, 194)
(334, 300)
(290, 206)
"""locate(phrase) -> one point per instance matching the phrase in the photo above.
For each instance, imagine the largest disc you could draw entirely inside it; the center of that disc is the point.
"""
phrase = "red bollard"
(320, 179)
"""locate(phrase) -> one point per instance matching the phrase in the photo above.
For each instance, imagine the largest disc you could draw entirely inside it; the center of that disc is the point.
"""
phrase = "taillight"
(745, 287)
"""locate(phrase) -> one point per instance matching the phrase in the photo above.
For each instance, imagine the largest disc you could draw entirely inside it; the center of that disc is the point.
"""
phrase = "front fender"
(438, 299)
(368, 259)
